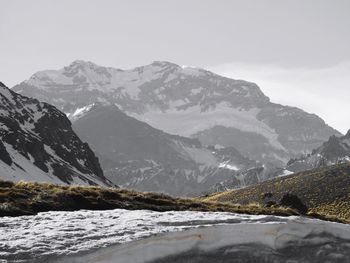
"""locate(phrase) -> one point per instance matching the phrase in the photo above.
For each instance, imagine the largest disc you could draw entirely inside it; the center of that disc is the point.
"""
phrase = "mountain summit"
(215, 109)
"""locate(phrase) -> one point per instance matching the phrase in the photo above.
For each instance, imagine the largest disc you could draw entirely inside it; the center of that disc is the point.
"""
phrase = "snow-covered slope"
(334, 151)
(37, 143)
(135, 155)
(143, 236)
(215, 109)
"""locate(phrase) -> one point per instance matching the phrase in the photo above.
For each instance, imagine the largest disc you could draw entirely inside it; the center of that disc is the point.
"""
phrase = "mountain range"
(186, 101)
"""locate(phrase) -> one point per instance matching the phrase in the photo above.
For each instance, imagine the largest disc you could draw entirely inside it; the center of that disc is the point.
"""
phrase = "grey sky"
(293, 35)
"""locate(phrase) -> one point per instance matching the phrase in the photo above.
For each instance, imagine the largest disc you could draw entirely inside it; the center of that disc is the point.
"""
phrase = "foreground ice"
(130, 236)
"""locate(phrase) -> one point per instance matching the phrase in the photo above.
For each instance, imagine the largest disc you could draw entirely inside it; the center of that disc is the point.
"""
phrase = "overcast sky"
(296, 51)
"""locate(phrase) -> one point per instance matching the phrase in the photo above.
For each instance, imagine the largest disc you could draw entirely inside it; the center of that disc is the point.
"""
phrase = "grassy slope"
(325, 191)
(26, 198)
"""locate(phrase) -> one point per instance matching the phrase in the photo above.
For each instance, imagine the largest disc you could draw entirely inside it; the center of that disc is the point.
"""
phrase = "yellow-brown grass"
(27, 198)
(326, 192)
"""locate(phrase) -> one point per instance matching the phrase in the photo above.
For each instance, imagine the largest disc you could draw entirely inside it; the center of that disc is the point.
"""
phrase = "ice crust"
(133, 236)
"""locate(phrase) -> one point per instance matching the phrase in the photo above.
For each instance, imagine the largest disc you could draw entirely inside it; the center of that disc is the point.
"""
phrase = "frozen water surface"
(143, 236)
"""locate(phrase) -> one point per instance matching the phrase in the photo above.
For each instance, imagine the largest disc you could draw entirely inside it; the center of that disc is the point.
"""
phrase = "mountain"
(334, 151)
(38, 144)
(136, 155)
(186, 101)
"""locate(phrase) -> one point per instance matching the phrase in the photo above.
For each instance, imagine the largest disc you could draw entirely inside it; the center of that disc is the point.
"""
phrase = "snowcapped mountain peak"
(164, 94)
(160, 85)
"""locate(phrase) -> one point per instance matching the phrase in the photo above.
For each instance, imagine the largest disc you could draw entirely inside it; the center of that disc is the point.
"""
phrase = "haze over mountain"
(189, 102)
(37, 143)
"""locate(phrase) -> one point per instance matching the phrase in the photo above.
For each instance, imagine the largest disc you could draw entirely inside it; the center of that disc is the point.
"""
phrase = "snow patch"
(194, 120)
(286, 172)
(226, 165)
(79, 112)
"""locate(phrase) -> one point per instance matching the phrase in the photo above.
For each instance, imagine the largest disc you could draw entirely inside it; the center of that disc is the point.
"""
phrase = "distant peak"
(2, 84)
(164, 63)
(82, 63)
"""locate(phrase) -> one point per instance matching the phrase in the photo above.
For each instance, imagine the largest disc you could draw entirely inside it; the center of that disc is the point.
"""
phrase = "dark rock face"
(334, 151)
(212, 108)
(43, 136)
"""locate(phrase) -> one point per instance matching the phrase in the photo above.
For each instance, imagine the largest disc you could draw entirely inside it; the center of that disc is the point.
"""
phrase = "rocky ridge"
(38, 144)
